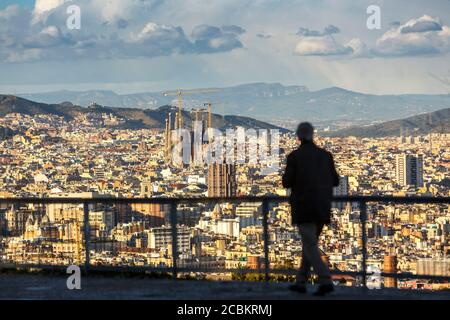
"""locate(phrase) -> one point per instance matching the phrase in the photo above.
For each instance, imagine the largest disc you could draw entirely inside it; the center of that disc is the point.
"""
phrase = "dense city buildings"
(341, 190)
(222, 180)
(409, 170)
(92, 157)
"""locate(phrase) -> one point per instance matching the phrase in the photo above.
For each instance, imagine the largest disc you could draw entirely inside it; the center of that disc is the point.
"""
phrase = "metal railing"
(265, 200)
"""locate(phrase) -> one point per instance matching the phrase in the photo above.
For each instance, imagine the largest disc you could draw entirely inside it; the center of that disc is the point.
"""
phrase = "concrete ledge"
(31, 286)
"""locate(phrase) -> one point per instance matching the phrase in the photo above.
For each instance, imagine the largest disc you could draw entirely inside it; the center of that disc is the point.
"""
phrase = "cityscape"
(91, 157)
(231, 150)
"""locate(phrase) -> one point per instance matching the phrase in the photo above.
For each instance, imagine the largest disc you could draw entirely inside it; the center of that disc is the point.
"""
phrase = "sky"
(149, 45)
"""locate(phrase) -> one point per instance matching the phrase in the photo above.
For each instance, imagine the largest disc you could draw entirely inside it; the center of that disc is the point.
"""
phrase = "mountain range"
(133, 118)
(434, 122)
(271, 101)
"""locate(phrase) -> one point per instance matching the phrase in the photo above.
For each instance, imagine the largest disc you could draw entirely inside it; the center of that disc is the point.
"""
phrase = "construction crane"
(206, 110)
(217, 105)
(201, 112)
(180, 93)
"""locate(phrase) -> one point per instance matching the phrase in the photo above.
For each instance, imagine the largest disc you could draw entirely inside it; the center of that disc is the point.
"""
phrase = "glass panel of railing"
(220, 240)
(340, 244)
(122, 235)
(283, 242)
(408, 239)
(42, 234)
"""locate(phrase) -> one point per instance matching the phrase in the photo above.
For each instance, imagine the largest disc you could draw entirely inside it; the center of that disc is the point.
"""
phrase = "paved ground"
(31, 286)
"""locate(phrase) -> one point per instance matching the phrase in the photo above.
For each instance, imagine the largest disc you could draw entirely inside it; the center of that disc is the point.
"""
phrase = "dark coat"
(311, 175)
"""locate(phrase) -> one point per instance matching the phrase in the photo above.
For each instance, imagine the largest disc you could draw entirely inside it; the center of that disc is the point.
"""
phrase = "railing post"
(363, 218)
(265, 212)
(173, 222)
(87, 235)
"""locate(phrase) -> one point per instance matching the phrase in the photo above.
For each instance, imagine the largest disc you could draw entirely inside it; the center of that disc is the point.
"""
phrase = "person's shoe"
(324, 289)
(299, 288)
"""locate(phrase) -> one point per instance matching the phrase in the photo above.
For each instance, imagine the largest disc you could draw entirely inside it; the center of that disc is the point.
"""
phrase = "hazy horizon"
(117, 89)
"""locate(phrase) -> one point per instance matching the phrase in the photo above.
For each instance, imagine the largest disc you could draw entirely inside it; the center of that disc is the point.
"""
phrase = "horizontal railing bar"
(382, 199)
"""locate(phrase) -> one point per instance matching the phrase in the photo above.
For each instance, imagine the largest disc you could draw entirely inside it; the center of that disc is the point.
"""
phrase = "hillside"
(134, 118)
(13, 104)
(438, 121)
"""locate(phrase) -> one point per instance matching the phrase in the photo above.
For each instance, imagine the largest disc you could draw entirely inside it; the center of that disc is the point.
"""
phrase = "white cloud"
(48, 37)
(321, 46)
(210, 39)
(323, 43)
(24, 56)
(110, 29)
(422, 36)
(423, 24)
(359, 48)
(42, 6)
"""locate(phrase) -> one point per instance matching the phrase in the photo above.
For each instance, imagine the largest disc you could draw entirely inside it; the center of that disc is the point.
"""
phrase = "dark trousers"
(311, 256)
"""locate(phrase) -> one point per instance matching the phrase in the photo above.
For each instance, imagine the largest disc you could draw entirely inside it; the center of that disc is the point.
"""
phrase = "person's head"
(305, 132)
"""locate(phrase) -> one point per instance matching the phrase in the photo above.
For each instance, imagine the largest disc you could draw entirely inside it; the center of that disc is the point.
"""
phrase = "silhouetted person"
(310, 174)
